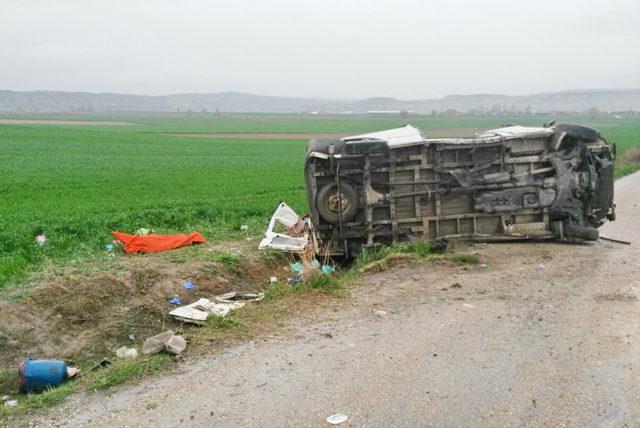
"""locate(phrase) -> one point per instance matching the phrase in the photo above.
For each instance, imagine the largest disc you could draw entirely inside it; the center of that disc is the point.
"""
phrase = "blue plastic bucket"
(38, 375)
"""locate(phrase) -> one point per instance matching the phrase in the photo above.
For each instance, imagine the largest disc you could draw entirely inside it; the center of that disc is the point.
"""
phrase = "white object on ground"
(273, 280)
(288, 218)
(382, 313)
(220, 306)
(124, 352)
(336, 419)
(244, 228)
(41, 239)
(11, 403)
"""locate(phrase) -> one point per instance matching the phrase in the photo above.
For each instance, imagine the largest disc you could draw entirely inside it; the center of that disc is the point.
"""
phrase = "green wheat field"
(78, 183)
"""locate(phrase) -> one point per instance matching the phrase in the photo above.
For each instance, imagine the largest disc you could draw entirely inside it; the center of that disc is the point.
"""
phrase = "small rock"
(382, 314)
(540, 267)
(456, 285)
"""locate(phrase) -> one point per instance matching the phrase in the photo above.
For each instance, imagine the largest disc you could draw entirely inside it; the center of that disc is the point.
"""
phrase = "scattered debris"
(239, 296)
(124, 352)
(175, 301)
(327, 269)
(619, 241)
(11, 403)
(144, 231)
(336, 419)
(110, 247)
(296, 267)
(220, 306)
(132, 337)
(189, 285)
(382, 314)
(152, 243)
(38, 375)
(41, 239)
(298, 231)
(244, 228)
(102, 363)
(166, 341)
(273, 280)
(295, 279)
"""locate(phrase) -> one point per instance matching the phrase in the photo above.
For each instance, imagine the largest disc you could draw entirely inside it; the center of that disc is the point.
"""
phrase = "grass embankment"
(99, 337)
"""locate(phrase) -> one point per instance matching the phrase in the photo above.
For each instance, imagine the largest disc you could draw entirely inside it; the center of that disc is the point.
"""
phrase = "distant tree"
(404, 114)
(593, 113)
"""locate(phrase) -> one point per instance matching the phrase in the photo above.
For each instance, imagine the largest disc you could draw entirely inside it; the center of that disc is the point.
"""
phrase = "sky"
(407, 49)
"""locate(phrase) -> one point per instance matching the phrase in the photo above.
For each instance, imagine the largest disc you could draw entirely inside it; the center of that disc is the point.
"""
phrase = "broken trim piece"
(288, 218)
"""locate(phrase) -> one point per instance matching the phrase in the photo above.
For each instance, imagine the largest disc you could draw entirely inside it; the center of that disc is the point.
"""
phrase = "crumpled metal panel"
(517, 131)
(397, 137)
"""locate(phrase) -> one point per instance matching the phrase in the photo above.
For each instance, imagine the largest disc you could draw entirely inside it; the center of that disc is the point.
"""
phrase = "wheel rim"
(333, 202)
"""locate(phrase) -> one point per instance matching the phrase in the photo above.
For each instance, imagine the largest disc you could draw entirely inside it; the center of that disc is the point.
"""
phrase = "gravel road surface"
(540, 334)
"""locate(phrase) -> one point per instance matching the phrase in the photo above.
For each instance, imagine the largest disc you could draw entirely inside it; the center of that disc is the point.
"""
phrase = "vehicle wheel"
(580, 232)
(329, 206)
(578, 131)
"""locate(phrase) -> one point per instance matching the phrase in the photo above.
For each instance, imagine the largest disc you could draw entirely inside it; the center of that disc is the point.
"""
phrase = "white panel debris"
(220, 306)
(288, 218)
(397, 137)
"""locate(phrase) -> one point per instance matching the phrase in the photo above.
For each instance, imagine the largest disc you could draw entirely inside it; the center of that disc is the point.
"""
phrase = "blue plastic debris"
(110, 247)
(295, 279)
(175, 301)
(296, 267)
(189, 285)
(327, 269)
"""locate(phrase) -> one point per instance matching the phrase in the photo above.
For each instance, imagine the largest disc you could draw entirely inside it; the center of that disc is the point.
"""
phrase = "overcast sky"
(335, 48)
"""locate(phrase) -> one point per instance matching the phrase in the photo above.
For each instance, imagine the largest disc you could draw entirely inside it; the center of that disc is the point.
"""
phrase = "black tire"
(580, 232)
(326, 202)
(577, 131)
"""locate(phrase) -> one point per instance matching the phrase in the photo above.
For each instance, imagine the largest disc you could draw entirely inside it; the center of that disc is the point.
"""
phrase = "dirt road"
(544, 334)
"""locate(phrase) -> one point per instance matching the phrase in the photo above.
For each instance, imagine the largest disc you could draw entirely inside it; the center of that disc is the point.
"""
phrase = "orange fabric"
(153, 243)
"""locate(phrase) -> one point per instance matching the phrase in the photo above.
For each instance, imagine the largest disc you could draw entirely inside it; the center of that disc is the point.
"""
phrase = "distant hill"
(568, 101)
